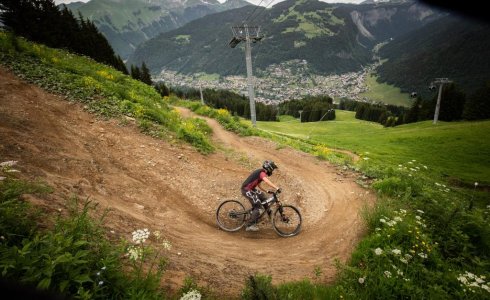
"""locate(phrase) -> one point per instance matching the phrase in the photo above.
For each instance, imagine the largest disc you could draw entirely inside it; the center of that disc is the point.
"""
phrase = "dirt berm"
(150, 183)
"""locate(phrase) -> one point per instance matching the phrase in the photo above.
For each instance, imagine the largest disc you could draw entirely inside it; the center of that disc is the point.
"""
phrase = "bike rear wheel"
(286, 221)
(231, 215)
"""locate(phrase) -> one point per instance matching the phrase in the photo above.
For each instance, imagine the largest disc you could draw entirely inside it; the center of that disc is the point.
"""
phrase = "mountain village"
(279, 82)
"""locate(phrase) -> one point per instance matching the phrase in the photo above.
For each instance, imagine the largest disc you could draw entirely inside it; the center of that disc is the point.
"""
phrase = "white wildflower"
(423, 255)
(387, 274)
(420, 211)
(408, 256)
(382, 220)
(7, 164)
(378, 251)
(425, 167)
(391, 223)
(140, 235)
(485, 287)
(135, 253)
(377, 229)
(101, 282)
(366, 158)
(476, 183)
(418, 218)
(191, 295)
(404, 260)
(398, 219)
(396, 251)
(167, 245)
(463, 279)
(361, 280)
(399, 272)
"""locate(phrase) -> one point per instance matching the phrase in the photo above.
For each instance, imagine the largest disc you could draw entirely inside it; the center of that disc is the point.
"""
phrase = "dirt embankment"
(161, 186)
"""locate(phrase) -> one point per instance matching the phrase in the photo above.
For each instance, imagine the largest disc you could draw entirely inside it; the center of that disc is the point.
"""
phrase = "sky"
(264, 2)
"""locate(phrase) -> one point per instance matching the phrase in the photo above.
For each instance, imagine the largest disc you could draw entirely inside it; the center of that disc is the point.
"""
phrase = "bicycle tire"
(231, 215)
(289, 227)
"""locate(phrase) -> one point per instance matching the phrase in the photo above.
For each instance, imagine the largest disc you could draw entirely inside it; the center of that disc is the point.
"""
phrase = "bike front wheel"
(231, 215)
(286, 220)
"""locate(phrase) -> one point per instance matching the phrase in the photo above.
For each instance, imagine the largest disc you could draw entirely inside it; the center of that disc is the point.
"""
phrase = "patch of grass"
(456, 151)
(385, 93)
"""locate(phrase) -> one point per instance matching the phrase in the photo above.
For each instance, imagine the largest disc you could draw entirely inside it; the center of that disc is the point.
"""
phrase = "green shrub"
(259, 287)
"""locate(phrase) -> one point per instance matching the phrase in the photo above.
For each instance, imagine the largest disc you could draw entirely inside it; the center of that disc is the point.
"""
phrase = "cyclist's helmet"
(269, 166)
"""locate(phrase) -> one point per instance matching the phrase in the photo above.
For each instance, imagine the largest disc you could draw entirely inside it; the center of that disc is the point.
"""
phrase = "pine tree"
(414, 112)
(145, 74)
(452, 103)
(41, 21)
(135, 72)
(477, 106)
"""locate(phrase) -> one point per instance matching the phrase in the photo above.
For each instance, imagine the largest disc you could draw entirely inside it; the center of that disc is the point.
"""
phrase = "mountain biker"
(254, 195)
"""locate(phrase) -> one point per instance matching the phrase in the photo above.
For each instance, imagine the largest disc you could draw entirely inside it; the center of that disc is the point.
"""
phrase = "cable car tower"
(440, 82)
(249, 34)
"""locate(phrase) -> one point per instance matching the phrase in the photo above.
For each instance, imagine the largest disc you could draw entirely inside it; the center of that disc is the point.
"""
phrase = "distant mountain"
(332, 38)
(73, 5)
(454, 47)
(128, 23)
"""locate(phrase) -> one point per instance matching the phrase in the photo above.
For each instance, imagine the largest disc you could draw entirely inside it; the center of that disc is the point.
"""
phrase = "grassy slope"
(457, 149)
(103, 89)
(384, 92)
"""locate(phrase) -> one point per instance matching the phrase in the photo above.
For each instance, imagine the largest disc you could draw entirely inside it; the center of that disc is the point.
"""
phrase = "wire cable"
(249, 15)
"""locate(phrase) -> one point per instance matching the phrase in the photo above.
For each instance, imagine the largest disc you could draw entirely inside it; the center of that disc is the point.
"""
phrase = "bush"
(259, 287)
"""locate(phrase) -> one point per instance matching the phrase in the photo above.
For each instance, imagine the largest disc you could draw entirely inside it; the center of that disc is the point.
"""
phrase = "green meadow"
(453, 150)
(382, 92)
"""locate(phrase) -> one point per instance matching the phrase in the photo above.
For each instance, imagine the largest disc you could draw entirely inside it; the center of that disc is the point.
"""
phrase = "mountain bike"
(286, 220)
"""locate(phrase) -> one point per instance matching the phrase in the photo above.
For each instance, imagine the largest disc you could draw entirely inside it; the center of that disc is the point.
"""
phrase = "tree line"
(238, 105)
(454, 106)
(309, 109)
(43, 22)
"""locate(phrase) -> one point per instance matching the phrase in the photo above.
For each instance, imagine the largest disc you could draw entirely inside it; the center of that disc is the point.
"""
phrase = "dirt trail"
(169, 187)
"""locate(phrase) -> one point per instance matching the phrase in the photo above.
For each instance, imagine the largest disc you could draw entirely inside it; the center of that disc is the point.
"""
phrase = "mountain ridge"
(132, 22)
(454, 47)
(306, 30)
